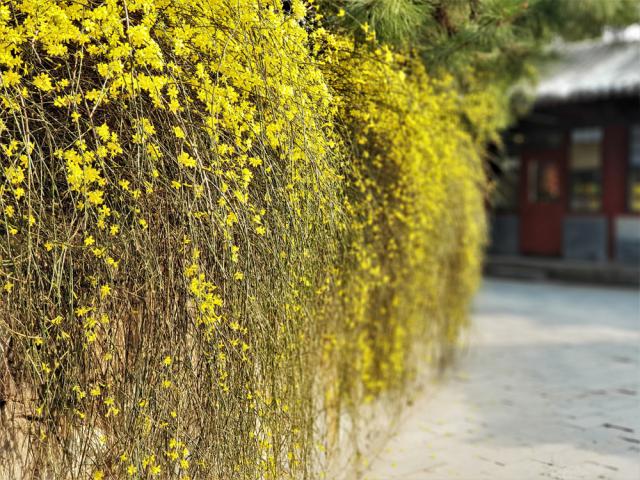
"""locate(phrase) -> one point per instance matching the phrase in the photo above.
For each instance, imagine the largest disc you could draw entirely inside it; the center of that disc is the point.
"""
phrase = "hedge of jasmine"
(223, 227)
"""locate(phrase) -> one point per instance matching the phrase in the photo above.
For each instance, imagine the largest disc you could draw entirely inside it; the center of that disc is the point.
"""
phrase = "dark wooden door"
(542, 202)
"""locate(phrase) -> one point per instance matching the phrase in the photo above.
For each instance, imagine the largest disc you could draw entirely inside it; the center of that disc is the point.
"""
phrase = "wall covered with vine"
(223, 228)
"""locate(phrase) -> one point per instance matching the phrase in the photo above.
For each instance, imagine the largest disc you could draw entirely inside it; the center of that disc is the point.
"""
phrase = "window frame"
(585, 133)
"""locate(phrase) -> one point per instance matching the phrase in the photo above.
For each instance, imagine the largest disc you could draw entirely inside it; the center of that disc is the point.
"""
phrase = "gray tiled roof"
(593, 69)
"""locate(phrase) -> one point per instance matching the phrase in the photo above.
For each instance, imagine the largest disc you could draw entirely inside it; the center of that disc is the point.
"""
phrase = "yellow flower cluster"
(219, 224)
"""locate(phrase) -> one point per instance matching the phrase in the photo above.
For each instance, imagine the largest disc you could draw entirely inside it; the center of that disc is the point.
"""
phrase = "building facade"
(570, 174)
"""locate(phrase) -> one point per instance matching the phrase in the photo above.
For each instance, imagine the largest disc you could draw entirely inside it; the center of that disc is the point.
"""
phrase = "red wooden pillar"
(615, 160)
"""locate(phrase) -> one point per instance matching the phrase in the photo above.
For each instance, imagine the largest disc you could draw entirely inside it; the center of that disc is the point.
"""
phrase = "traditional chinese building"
(570, 174)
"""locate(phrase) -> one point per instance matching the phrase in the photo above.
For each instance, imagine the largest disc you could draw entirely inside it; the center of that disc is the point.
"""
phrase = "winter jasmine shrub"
(221, 227)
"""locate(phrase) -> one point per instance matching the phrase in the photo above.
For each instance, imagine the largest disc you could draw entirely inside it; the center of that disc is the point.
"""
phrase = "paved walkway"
(549, 389)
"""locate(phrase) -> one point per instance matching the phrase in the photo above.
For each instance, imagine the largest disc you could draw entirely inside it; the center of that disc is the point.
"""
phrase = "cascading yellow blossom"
(222, 227)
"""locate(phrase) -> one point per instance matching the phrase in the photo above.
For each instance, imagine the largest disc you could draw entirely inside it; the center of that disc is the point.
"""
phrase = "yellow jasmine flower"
(105, 290)
(186, 160)
(178, 132)
(43, 82)
(103, 132)
(95, 197)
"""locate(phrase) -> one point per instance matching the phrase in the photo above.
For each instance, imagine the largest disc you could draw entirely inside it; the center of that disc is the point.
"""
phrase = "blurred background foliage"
(500, 41)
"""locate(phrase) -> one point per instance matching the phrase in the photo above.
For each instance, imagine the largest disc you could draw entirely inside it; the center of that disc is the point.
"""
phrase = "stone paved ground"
(548, 389)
